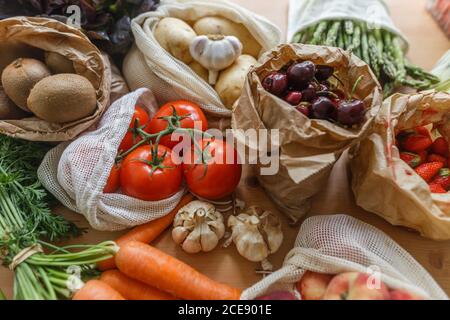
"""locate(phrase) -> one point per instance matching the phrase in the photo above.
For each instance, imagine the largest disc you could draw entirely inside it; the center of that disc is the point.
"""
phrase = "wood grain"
(428, 43)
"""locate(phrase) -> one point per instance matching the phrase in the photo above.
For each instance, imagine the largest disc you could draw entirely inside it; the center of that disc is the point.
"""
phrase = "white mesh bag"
(148, 65)
(76, 172)
(339, 243)
(305, 13)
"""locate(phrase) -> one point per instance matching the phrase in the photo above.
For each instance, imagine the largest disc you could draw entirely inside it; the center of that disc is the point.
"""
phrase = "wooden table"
(428, 43)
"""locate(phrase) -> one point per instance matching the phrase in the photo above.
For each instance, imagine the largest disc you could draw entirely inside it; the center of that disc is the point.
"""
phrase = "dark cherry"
(293, 97)
(323, 108)
(276, 83)
(300, 74)
(351, 112)
(309, 94)
(323, 72)
(303, 109)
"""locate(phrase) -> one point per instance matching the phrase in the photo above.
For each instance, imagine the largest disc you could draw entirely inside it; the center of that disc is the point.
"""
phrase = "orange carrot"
(146, 233)
(149, 265)
(132, 289)
(97, 290)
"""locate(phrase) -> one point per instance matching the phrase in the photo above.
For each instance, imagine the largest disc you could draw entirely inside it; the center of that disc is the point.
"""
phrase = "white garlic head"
(256, 233)
(198, 226)
(215, 53)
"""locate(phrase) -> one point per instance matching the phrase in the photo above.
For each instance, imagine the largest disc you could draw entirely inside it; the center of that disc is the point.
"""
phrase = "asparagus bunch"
(379, 48)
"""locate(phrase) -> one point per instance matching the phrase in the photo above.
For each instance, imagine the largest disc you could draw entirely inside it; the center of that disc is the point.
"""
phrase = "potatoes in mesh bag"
(385, 184)
(76, 172)
(161, 60)
(355, 252)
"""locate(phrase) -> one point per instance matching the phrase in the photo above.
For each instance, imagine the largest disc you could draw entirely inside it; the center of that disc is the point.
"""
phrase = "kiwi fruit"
(8, 110)
(63, 97)
(19, 78)
(58, 63)
(12, 50)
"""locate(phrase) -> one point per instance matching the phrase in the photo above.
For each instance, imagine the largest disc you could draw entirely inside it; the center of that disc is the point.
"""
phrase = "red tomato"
(139, 180)
(215, 179)
(182, 108)
(113, 182)
(143, 118)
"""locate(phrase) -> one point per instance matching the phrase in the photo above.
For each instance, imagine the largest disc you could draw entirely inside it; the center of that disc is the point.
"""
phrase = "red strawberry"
(415, 142)
(437, 188)
(443, 178)
(428, 170)
(440, 146)
(423, 131)
(437, 158)
(412, 159)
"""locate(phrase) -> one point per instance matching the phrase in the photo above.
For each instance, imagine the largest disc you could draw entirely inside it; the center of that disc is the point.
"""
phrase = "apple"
(355, 286)
(312, 285)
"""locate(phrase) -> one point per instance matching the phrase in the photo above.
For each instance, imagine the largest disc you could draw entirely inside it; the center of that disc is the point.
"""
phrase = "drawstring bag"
(334, 244)
(76, 172)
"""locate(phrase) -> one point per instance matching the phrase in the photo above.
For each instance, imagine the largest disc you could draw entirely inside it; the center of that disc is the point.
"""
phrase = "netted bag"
(308, 148)
(339, 243)
(53, 36)
(151, 66)
(76, 172)
(306, 13)
(385, 184)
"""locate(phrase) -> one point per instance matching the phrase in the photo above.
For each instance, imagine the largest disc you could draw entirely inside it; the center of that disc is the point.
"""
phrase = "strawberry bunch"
(430, 159)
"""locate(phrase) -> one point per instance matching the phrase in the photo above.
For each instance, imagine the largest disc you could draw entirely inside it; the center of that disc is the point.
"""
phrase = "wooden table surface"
(427, 44)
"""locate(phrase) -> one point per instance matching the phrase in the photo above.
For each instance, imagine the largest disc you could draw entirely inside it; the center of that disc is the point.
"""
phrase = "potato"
(231, 80)
(175, 36)
(199, 70)
(223, 26)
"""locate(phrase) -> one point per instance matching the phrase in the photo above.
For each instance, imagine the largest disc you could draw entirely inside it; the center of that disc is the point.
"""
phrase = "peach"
(312, 285)
(355, 286)
(401, 294)
(362, 289)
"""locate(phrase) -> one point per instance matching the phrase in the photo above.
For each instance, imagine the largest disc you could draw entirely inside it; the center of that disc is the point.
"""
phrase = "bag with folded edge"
(307, 148)
(384, 184)
(76, 172)
(333, 244)
(149, 65)
(306, 13)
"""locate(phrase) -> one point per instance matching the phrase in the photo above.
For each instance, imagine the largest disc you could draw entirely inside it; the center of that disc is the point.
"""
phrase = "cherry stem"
(355, 85)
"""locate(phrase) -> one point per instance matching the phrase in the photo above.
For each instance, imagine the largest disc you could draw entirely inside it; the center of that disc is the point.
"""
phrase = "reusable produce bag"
(51, 35)
(308, 148)
(385, 184)
(76, 172)
(339, 243)
(149, 65)
(305, 13)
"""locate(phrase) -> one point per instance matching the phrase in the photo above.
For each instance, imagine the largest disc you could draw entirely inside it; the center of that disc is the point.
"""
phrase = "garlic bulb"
(215, 53)
(256, 233)
(198, 227)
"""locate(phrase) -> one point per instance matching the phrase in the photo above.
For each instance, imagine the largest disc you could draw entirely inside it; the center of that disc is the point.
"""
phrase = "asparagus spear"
(332, 34)
(319, 33)
(364, 44)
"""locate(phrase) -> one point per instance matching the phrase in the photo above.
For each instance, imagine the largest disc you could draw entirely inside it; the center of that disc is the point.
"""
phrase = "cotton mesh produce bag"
(306, 13)
(76, 172)
(385, 184)
(149, 65)
(308, 148)
(339, 243)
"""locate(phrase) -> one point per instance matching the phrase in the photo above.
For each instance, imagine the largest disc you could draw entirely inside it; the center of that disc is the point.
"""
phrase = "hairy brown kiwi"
(12, 50)
(8, 110)
(63, 97)
(19, 78)
(58, 63)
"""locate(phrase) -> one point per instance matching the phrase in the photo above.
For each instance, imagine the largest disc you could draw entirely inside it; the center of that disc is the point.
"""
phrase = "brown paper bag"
(51, 35)
(385, 184)
(308, 148)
